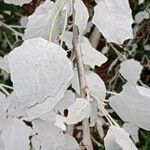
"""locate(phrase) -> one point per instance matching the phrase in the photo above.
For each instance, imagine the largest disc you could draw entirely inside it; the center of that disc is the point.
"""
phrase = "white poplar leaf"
(143, 91)
(4, 104)
(15, 108)
(132, 107)
(2, 146)
(99, 125)
(40, 22)
(118, 139)
(71, 143)
(48, 135)
(49, 117)
(94, 83)
(81, 15)
(97, 1)
(141, 2)
(4, 64)
(45, 106)
(91, 56)
(114, 19)
(147, 47)
(60, 122)
(15, 135)
(132, 130)
(24, 21)
(80, 110)
(131, 70)
(65, 102)
(93, 115)
(36, 71)
(140, 16)
(67, 37)
(17, 2)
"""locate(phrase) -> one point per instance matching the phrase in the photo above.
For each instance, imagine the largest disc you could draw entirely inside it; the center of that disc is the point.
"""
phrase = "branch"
(95, 37)
(83, 85)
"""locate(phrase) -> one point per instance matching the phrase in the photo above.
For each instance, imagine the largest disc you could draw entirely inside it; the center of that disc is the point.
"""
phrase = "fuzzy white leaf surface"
(132, 107)
(139, 17)
(16, 108)
(93, 115)
(40, 22)
(94, 83)
(114, 19)
(133, 131)
(141, 2)
(17, 2)
(36, 70)
(143, 91)
(99, 125)
(80, 110)
(131, 70)
(71, 144)
(81, 15)
(48, 136)
(91, 56)
(15, 135)
(65, 102)
(60, 122)
(118, 139)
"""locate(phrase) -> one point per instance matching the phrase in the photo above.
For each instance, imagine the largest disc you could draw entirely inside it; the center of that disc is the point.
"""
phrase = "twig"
(70, 129)
(82, 82)
(95, 37)
(14, 31)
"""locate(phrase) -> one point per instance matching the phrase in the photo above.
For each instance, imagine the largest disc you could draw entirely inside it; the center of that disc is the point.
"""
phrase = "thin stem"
(82, 82)
(14, 31)
(95, 37)
(4, 90)
(113, 93)
(54, 20)
(6, 86)
(65, 24)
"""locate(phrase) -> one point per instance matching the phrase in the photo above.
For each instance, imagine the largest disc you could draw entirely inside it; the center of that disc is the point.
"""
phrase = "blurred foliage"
(11, 15)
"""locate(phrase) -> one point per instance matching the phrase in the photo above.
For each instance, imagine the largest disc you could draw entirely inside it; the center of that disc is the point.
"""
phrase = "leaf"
(132, 107)
(65, 102)
(133, 131)
(93, 115)
(141, 1)
(15, 135)
(16, 108)
(71, 143)
(37, 74)
(40, 22)
(143, 91)
(80, 110)
(91, 56)
(4, 103)
(94, 83)
(60, 122)
(48, 136)
(2, 146)
(99, 125)
(118, 139)
(114, 19)
(81, 15)
(17, 2)
(131, 70)
(140, 16)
